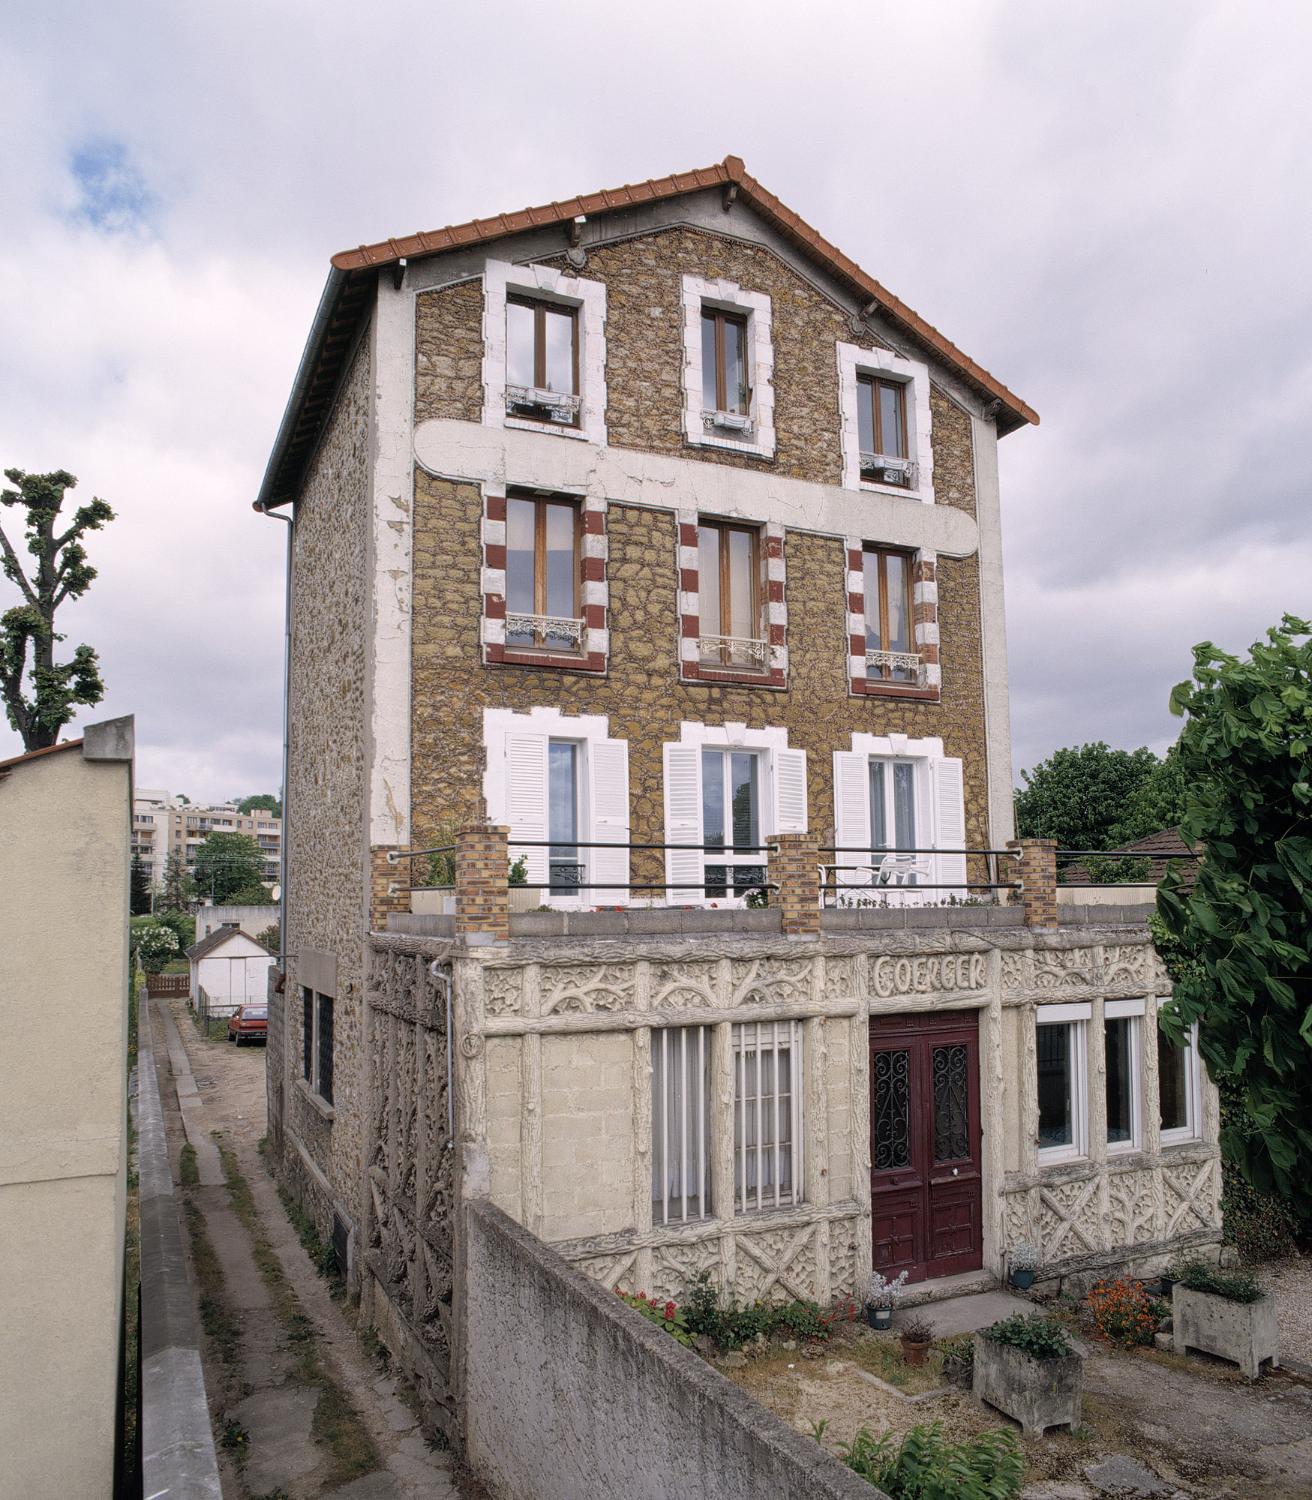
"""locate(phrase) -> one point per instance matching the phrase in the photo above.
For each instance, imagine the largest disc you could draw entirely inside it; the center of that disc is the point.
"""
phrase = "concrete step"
(967, 1284)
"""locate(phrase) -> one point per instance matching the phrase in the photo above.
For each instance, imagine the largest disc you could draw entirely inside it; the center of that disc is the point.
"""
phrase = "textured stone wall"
(642, 693)
(327, 871)
(449, 353)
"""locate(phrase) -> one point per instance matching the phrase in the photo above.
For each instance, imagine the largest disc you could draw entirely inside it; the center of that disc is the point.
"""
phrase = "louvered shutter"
(851, 814)
(949, 826)
(608, 786)
(683, 822)
(789, 767)
(526, 799)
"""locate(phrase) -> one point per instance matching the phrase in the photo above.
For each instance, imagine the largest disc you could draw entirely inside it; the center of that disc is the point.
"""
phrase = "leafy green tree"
(152, 943)
(1156, 804)
(263, 800)
(182, 925)
(271, 937)
(248, 895)
(139, 899)
(1238, 942)
(179, 889)
(1079, 794)
(60, 571)
(228, 863)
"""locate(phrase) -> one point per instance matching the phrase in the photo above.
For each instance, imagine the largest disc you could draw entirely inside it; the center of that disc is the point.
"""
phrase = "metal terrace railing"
(1151, 858)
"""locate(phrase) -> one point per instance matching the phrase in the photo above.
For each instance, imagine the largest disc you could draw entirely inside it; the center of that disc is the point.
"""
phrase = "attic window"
(728, 377)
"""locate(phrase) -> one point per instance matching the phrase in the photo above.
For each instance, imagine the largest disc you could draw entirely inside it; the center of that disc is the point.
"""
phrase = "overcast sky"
(1106, 204)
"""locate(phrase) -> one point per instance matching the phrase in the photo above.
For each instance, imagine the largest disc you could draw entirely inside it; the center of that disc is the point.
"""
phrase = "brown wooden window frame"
(724, 655)
(867, 389)
(881, 603)
(540, 306)
(719, 316)
(540, 504)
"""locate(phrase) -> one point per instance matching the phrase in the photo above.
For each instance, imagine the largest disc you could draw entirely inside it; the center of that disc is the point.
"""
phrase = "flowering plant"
(1122, 1312)
(666, 1315)
(885, 1293)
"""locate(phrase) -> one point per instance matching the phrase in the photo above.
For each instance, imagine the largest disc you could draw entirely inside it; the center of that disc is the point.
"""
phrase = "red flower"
(669, 1309)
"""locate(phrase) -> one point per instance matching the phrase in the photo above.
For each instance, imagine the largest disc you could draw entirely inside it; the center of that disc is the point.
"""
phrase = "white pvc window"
(680, 1094)
(1123, 1056)
(1063, 1088)
(767, 1060)
(1178, 1088)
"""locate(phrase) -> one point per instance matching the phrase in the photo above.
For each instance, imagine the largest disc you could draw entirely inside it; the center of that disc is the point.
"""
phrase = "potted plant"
(916, 1335)
(1028, 1368)
(881, 1298)
(1225, 1313)
(1022, 1262)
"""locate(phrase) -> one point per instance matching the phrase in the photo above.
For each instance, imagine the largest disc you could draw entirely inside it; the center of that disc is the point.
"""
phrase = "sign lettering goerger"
(922, 976)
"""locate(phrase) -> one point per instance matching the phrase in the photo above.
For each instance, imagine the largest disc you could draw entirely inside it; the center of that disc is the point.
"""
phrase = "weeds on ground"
(188, 1174)
(233, 1436)
(216, 1316)
(321, 1252)
(928, 1466)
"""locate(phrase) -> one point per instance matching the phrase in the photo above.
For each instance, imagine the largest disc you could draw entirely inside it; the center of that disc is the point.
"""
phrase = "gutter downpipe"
(263, 507)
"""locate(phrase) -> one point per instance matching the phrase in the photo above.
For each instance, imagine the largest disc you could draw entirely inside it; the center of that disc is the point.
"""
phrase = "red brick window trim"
(773, 612)
(592, 592)
(924, 620)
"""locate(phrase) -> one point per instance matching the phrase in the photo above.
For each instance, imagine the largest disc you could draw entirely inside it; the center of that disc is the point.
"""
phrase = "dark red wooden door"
(925, 1144)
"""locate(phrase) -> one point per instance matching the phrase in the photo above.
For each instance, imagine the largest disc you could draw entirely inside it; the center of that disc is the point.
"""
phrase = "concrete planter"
(1244, 1332)
(1037, 1393)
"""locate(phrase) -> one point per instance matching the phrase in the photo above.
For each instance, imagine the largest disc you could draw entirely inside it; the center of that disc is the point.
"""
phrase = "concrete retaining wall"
(569, 1395)
(177, 1445)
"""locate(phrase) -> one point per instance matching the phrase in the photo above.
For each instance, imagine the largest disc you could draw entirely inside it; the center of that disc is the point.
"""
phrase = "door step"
(940, 1288)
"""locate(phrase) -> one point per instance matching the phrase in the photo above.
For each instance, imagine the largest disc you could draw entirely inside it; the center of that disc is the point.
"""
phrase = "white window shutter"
(949, 826)
(526, 799)
(608, 786)
(789, 767)
(683, 822)
(851, 814)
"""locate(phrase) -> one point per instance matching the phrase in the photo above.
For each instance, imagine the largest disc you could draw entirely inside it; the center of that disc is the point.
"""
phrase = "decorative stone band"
(573, 645)
(866, 667)
(758, 663)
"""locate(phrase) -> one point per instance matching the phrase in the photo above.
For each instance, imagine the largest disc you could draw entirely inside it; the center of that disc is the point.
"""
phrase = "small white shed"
(231, 968)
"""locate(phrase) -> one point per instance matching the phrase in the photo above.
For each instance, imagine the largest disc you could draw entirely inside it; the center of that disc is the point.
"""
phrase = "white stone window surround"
(697, 293)
(782, 791)
(592, 732)
(500, 279)
(854, 361)
(1077, 1017)
(1132, 1011)
(1192, 1130)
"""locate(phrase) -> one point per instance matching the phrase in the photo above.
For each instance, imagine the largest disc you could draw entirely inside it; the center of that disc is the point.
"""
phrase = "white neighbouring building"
(231, 969)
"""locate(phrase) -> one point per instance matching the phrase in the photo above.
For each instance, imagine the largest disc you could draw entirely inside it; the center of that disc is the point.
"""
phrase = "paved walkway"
(264, 1389)
(966, 1314)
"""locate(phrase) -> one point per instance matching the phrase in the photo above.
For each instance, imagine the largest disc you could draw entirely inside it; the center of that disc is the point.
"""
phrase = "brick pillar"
(796, 871)
(389, 886)
(482, 884)
(1036, 870)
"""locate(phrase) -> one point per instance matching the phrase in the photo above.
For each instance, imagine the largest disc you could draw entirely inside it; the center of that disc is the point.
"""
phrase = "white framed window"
(1123, 1058)
(885, 423)
(558, 781)
(1179, 1086)
(767, 1112)
(544, 351)
(1063, 1081)
(898, 800)
(680, 1123)
(730, 788)
(728, 367)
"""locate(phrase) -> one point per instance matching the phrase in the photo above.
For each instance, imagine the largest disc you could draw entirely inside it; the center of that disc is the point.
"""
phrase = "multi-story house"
(163, 825)
(650, 528)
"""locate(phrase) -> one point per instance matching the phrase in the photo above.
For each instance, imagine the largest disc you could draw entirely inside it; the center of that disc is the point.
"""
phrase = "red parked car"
(249, 1023)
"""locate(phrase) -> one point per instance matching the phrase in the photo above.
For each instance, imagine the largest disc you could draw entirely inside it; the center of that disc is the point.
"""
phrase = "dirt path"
(300, 1410)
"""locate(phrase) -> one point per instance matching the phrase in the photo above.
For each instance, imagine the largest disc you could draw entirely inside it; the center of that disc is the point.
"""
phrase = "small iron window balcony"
(549, 632)
(736, 424)
(881, 468)
(733, 651)
(894, 666)
(542, 406)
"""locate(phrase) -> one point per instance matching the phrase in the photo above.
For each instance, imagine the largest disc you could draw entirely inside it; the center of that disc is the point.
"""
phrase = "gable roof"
(218, 937)
(353, 271)
(1162, 849)
(6, 766)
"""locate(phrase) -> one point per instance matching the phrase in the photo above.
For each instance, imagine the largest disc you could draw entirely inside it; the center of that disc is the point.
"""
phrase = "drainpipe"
(263, 507)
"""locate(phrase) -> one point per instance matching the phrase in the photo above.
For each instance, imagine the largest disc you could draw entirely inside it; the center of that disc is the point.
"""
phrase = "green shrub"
(733, 1325)
(928, 1466)
(959, 1358)
(666, 1315)
(152, 942)
(1035, 1335)
(1236, 1286)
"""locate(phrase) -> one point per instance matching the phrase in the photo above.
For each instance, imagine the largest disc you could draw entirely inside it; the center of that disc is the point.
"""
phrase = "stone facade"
(328, 873)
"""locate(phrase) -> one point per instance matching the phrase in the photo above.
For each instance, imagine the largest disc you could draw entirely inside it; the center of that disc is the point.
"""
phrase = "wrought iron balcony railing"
(733, 651)
(553, 632)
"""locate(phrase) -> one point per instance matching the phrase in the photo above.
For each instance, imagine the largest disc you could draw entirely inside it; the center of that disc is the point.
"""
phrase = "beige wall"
(64, 832)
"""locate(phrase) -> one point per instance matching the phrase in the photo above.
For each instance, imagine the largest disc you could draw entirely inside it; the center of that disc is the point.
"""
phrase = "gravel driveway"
(1291, 1281)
